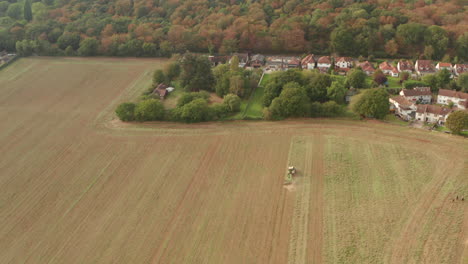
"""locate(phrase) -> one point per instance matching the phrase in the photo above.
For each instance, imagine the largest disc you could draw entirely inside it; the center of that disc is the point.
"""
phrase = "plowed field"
(78, 186)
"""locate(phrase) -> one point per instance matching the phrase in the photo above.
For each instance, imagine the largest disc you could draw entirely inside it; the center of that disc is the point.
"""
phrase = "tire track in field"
(198, 175)
(308, 203)
(401, 248)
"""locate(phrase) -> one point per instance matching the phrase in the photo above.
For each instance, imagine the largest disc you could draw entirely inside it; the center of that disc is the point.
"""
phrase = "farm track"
(306, 240)
(78, 186)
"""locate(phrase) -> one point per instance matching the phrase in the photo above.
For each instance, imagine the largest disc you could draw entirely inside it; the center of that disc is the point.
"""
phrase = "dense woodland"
(380, 28)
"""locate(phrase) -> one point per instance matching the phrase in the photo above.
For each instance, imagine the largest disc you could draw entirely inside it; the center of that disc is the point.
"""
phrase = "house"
(424, 67)
(161, 91)
(308, 62)
(291, 62)
(395, 72)
(459, 99)
(386, 67)
(432, 114)
(444, 65)
(257, 61)
(367, 67)
(274, 63)
(243, 59)
(460, 68)
(389, 69)
(420, 95)
(216, 60)
(405, 66)
(402, 107)
(324, 63)
(344, 62)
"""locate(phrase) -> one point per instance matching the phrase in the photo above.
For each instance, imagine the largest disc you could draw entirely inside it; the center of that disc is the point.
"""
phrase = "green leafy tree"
(436, 37)
(463, 82)
(149, 49)
(172, 71)
(194, 111)
(432, 81)
(462, 46)
(233, 102)
(234, 64)
(337, 92)
(356, 78)
(316, 86)
(342, 41)
(69, 39)
(411, 34)
(236, 85)
(443, 78)
(189, 97)
(373, 103)
(292, 102)
(27, 11)
(88, 47)
(15, 11)
(196, 73)
(69, 51)
(410, 84)
(457, 121)
(126, 111)
(159, 77)
(149, 110)
(221, 74)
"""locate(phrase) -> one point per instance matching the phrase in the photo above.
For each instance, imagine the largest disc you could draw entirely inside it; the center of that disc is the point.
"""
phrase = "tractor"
(289, 175)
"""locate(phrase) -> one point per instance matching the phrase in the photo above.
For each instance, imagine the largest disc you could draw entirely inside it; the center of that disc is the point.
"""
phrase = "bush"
(328, 109)
(373, 103)
(149, 110)
(219, 110)
(233, 102)
(126, 111)
(411, 84)
(194, 111)
(189, 97)
(457, 121)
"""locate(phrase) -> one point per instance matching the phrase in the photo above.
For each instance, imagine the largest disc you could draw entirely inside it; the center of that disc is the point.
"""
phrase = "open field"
(78, 186)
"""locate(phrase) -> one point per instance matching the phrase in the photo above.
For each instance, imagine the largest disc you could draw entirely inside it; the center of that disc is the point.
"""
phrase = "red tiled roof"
(452, 93)
(385, 66)
(402, 101)
(324, 59)
(344, 59)
(308, 59)
(433, 109)
(425, 65)
(445, 64)
(405, 65)
(461, 68)
(418, 91)
(366, 66)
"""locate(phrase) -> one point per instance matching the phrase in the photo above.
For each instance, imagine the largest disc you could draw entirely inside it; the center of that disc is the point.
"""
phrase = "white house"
(444, 65)
(388, 69)
(460, 68)
(308, 62)
(459, 99)
(405, 66)
(421, 95)
(432, 114)
(324, 62)
(402, 107)
(344, 62)
(424, 67)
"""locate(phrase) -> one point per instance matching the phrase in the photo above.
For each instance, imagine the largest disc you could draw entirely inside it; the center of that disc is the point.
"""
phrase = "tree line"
(411, 28)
